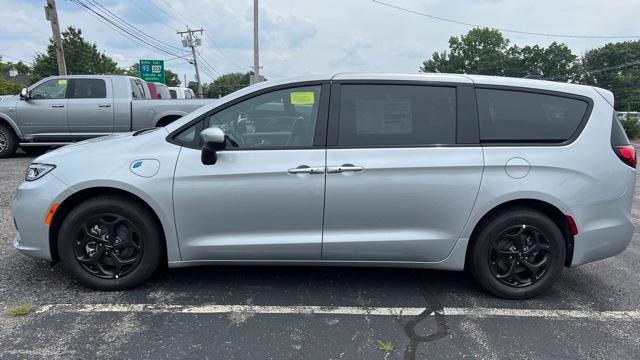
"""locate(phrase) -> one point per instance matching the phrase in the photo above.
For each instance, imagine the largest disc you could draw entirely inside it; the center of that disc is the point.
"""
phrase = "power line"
(621, 66)
(171, 16)
(128, 33)
(150, 14)
(177, 13)
(502, 29)
(134, 29)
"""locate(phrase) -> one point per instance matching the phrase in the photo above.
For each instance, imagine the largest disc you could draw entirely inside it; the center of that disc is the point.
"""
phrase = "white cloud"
(301, 37)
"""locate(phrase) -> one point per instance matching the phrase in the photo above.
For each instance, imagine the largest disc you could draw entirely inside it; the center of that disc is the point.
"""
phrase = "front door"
(44, 115)
(90, 107)
(398, 187)
(263, 199)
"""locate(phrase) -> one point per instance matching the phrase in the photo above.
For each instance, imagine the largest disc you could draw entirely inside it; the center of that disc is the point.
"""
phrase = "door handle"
(104, 105)
(304, 169)
(343, 168)
(57, 106)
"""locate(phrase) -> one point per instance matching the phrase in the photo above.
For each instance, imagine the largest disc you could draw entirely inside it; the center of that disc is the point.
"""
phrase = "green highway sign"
(152, 70)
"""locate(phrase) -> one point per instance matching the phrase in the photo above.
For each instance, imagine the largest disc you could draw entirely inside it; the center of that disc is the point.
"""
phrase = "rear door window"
(89, 89)
(396, 115)
(510, 116)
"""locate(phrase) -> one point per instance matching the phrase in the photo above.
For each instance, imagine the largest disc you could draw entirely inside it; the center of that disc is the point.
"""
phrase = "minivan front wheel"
(110, 243)
(518, 254)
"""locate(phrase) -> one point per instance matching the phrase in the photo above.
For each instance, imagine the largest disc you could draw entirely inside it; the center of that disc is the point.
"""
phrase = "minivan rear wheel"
(517, 254)
(110, 243)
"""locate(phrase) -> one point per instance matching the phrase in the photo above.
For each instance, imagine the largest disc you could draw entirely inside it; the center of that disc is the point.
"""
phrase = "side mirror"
(213, 139)
(24, 94)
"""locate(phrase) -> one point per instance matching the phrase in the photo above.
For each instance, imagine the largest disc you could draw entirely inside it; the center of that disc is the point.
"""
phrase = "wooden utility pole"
(256, 52)
(52, 16)
(191, 41)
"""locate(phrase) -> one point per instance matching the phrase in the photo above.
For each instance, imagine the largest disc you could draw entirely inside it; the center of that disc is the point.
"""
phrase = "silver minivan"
(511, 179)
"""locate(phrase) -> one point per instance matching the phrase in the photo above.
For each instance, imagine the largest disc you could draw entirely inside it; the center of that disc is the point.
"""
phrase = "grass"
(386, 346)
(20, 310)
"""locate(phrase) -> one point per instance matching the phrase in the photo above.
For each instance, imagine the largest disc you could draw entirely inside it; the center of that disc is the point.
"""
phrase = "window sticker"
(302, 98)
(384, 117)
(62, 82)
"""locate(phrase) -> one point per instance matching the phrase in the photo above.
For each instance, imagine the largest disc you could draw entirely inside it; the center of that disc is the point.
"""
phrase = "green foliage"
(631, 124)
(603, 68)
(9, 87)
(226, 84)
(386, 346)
(20, 310)
(81, 57)
(487, 52)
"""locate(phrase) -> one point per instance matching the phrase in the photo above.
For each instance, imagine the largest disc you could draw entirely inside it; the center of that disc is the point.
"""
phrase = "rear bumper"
(605, 228)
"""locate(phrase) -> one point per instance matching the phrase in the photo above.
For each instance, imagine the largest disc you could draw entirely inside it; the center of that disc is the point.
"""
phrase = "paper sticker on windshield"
(62, 82)
(302, 98)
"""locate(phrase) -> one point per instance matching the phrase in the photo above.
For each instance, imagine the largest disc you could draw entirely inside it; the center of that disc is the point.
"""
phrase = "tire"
(8, 141)
(116, 228)
(517, 254)
(34, 150)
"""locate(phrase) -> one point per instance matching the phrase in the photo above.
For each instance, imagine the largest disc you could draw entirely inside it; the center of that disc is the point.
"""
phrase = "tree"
(487, 52)
(480, 51)
(227, 83)
(81, 56)
(170, 78)
(616, 67)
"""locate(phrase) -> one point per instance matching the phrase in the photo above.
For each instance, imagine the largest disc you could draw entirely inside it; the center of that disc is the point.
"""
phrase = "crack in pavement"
(433, 307)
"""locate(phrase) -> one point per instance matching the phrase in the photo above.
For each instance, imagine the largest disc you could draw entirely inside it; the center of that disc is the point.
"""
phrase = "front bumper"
(30, 206)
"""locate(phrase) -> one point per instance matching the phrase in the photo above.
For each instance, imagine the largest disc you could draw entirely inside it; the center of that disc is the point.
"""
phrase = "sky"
(312, 37)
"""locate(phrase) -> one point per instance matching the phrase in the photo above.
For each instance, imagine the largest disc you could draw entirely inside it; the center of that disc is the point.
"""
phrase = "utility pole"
(51, 14)
(189, 40)
(256, 52)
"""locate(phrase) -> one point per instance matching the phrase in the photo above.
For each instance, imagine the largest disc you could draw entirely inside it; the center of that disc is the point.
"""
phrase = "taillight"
(626, 153)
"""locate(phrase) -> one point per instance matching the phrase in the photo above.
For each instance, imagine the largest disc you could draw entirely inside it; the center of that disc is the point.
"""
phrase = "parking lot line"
(630, 315)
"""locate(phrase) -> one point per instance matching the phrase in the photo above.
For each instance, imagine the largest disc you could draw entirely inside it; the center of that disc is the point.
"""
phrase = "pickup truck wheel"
(8, 141)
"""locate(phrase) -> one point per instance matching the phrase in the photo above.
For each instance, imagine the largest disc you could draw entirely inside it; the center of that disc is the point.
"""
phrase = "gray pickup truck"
(63, 109)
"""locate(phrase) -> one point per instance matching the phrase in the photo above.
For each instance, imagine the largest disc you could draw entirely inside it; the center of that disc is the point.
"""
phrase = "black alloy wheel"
(108, 246)
(517, 253)
(519, 256)
(111, 242)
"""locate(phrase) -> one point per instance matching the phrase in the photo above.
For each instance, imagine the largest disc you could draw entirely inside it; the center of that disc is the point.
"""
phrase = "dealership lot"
(323, 313)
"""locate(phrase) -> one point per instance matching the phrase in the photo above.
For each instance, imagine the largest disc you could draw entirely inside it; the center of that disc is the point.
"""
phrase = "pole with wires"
(256, 52)
(52, 15)
(189, 40)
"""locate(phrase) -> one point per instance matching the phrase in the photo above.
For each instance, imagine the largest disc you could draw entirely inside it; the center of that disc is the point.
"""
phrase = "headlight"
(36, 171)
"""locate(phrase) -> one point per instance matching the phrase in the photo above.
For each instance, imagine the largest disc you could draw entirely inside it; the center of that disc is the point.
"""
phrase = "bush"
(631, 125)
(9, 87)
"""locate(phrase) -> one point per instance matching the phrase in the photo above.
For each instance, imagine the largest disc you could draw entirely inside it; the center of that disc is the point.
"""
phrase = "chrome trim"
(304, 169)
(343, 168)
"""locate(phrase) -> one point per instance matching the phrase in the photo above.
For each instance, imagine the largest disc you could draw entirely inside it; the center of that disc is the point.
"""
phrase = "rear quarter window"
(509, 116)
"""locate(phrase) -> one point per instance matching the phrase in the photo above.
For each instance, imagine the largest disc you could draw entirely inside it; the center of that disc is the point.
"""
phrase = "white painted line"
(632, 315)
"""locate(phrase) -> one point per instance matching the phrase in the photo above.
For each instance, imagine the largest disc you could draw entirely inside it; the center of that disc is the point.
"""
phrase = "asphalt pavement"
(238, 312)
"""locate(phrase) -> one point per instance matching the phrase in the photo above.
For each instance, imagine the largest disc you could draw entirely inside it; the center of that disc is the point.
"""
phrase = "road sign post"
(152, 70)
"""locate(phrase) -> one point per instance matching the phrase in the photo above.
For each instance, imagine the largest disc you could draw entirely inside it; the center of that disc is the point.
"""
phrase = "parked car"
(181, 93)
(62, 109)
(158, 90)
(512, 179)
